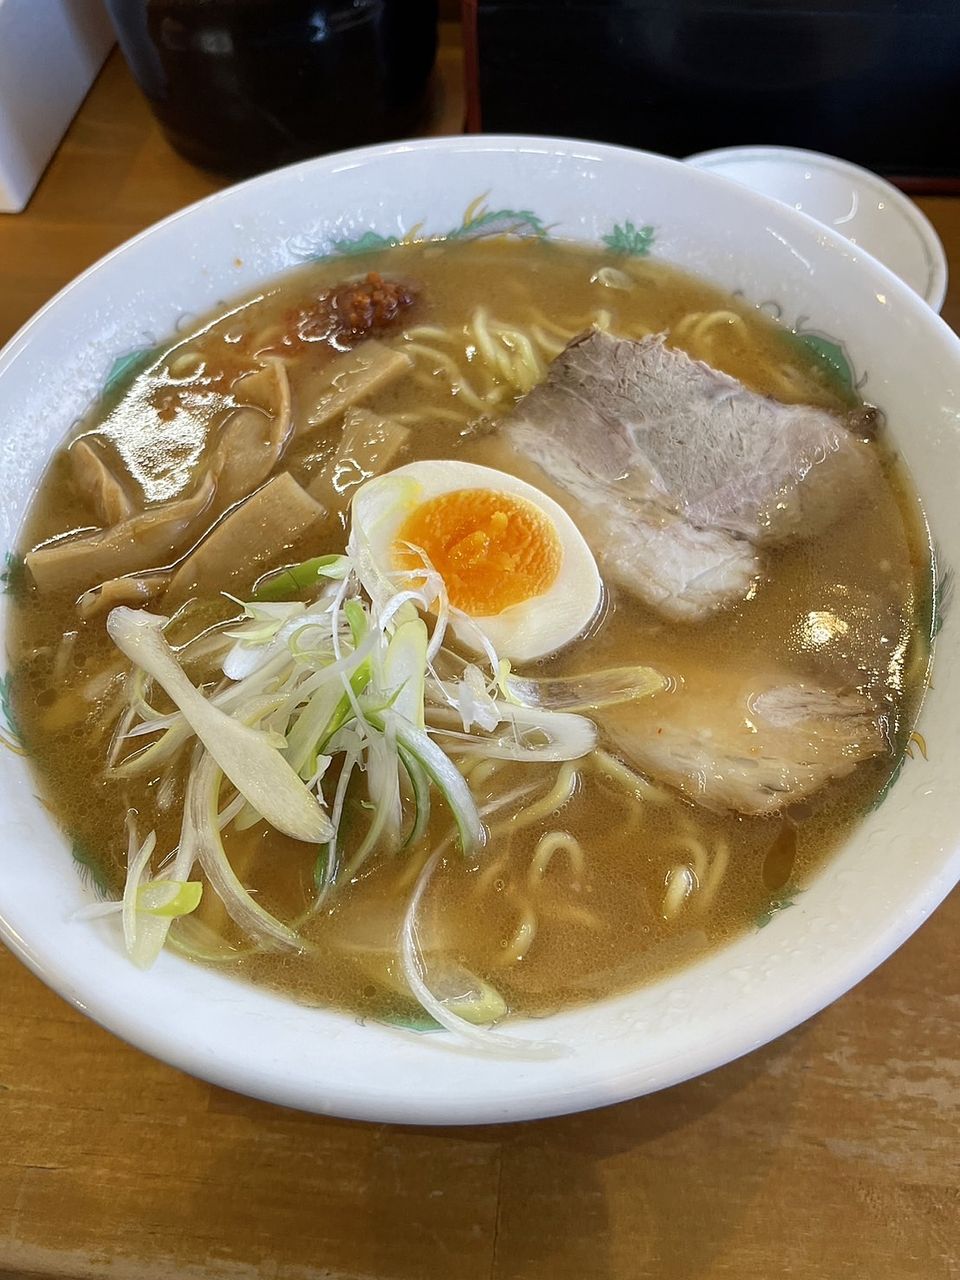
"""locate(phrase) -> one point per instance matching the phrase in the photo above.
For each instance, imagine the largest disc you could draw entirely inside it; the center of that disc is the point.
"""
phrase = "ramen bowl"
(894, 869)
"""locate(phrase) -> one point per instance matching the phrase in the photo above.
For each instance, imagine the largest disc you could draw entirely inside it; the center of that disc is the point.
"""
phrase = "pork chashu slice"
(680, 472)
(751, 743)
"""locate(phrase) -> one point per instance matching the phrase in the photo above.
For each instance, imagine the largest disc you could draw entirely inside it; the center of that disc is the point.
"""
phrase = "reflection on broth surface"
(753, 667)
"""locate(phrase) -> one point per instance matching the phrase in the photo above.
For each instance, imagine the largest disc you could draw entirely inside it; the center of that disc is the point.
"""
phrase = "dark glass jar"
(244, 85)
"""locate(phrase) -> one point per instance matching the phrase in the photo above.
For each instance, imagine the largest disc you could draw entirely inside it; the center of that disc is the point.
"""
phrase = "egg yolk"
(491, 549)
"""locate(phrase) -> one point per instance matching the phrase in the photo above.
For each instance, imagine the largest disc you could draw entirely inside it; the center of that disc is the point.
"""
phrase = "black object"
(244, 85)
(874, 81)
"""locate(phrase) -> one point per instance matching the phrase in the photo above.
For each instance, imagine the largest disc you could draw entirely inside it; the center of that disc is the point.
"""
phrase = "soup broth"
(594, 877)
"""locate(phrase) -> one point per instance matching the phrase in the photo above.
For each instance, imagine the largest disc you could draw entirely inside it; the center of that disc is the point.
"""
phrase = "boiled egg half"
(515, 566)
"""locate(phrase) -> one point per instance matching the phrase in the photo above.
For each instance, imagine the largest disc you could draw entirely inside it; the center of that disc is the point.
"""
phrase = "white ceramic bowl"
(859, 204)
(899, 864)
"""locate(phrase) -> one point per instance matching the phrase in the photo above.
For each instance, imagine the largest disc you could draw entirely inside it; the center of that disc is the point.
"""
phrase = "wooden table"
(830, 1154)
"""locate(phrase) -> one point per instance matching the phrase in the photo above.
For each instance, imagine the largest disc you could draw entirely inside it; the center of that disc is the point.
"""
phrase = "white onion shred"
(316, 696)
(489, 1042)
(256, 769)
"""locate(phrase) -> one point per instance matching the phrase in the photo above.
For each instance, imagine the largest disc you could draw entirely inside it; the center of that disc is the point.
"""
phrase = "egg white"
(522, 632)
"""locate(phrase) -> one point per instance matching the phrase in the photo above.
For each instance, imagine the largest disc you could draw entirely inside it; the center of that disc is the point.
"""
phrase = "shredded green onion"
(586, 692)
(322, 696)
(281, 584)
(170, 898)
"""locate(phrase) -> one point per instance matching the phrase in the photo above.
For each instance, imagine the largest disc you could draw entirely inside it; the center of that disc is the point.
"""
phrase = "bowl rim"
(590, 1089)
(935, 291)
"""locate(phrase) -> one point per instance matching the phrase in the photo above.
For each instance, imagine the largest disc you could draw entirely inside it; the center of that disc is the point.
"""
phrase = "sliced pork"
(682, 473)
(751, 743)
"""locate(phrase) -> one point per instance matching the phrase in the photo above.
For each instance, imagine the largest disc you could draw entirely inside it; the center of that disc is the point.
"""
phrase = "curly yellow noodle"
(549, 346)
(547, 848)
(681, 882)
(573, 913)
(492, 871)
(615, 770)
(566, 332)
(479, 328)
(699, 883)
(459, 384)
(787, 380)
(522, 940)
(698, 852)
(481, 771)
(417, 860)
(507, 351)
(429, 333)
(558, 795)
(514, 355)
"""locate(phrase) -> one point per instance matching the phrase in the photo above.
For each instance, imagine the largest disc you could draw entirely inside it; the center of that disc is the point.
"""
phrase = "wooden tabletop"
(830, 1154)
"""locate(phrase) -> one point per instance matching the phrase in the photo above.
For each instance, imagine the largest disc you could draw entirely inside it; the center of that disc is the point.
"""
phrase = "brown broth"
(572, 934)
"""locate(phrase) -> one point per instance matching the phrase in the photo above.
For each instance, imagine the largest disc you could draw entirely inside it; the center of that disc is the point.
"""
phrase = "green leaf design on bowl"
(932, 613)
(630, 241)
(888, 786)
(498, 222)
(420, 1022)
(125, 368)
(943, 584)
(10, 736)
(90, 870)
(829, 351)
(774, 907)
(479, 221)
(368, 242)
(13, 579)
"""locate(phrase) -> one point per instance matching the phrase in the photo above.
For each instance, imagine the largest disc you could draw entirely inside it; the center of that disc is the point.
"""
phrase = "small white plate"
(858, 204)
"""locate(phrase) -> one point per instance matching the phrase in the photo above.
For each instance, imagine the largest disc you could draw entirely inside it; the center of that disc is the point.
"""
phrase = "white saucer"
(860, 205)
